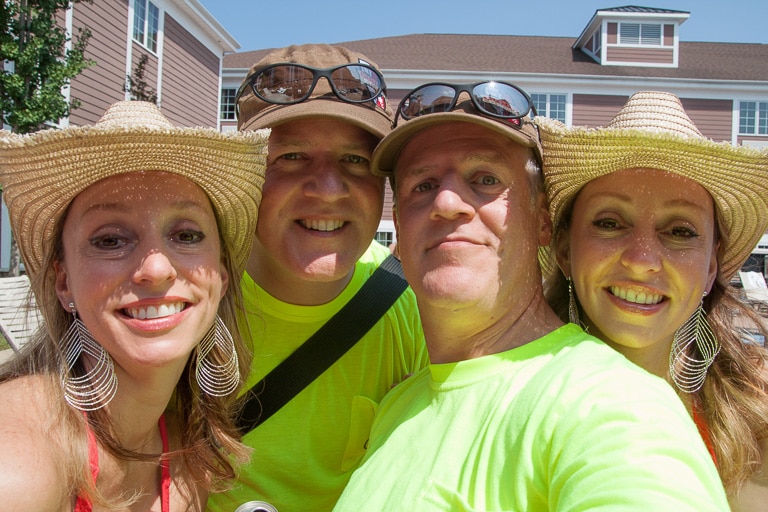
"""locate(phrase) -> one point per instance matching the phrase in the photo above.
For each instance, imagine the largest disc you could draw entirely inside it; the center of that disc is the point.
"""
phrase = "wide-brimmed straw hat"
(41, 173)
(653, 131)
(374, 117)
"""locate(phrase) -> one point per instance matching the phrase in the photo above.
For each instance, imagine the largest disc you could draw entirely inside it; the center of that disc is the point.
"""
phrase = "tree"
(37, 64)
(137, 86)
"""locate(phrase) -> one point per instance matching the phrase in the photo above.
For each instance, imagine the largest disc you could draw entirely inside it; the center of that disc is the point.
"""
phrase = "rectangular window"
(753, 118)
(228, 104)
(550, 105)
(636, 34)
(146, 24)
(385, 238)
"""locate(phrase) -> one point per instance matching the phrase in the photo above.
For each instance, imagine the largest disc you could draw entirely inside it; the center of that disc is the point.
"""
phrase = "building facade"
(580, 81)
(184, 48)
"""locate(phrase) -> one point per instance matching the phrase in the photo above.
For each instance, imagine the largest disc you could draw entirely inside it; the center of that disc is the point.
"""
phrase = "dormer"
(633, 36)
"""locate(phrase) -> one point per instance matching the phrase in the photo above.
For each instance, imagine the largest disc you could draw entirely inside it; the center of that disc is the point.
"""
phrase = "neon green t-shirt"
(304, 454)
(563, 423)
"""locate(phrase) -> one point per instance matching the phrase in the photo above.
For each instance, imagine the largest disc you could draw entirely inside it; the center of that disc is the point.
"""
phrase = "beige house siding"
(669, 35)
(711, 117)
(102, 84)
(150, 69)
(645, 55)
(595, 110)
(190, 81)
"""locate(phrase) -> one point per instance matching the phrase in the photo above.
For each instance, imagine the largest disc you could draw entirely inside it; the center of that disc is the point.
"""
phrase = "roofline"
(210, 25)
(408, 79)
(600, 14)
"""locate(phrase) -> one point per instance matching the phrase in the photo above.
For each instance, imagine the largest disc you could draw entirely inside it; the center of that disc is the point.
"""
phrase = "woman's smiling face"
(142, 265)
(642, 251)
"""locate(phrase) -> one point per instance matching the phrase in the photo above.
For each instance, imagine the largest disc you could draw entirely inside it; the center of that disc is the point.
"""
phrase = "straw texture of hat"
(374, 117)
(653, 131)
(41, 173)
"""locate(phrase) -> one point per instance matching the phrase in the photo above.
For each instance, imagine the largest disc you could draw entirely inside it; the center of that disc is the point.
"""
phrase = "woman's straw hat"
(653, 131)
(41, 173)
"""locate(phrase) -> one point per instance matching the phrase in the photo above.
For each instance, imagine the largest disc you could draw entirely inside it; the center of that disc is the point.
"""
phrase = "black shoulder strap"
(323, 348)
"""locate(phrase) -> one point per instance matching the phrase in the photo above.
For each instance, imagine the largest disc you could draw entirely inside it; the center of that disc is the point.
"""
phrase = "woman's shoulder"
(30, 473)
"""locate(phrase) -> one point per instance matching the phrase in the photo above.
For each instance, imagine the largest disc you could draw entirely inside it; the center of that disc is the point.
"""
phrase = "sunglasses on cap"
(288, 84)
(495, 99)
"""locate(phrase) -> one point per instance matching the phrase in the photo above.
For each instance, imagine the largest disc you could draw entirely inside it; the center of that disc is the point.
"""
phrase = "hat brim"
(735, 177)
(386, 153)
(42, 173)
(360, 115)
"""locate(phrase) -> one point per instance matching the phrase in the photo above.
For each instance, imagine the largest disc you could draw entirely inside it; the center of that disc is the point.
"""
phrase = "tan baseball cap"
(375, 116)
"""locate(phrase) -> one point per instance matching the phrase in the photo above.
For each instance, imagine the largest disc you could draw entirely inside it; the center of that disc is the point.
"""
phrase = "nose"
(327, 181)
(450, 201)
(643, 253)
(154, 268)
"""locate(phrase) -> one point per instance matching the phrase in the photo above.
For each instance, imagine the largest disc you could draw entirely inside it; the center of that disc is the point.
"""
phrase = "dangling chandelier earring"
(573, 309)
(217, 379)
(688, 373)
(98, 386)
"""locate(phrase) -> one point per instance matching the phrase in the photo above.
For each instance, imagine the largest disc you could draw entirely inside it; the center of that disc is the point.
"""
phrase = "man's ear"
(397, 224)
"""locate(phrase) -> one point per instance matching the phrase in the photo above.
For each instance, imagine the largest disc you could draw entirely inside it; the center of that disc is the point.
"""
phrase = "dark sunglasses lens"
(501, 100)
(356, 83)
(429, 99)
(284, 84)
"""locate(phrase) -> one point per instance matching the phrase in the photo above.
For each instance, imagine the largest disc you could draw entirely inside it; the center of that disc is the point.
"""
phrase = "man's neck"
(462, 334)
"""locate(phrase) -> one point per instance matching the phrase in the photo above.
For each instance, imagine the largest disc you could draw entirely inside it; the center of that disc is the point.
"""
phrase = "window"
(550, 105)
(597, 40)
(228, 104)
(636, 34)
(753, 118)
(385, 238)
(146, 22)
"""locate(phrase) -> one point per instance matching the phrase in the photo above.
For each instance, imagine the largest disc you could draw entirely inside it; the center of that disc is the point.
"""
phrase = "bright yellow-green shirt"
(304, 454)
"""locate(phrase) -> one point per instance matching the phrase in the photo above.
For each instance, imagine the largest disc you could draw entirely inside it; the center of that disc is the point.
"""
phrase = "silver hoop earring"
(687, 372)
(98, 386)
(217, 379)
(573, 310)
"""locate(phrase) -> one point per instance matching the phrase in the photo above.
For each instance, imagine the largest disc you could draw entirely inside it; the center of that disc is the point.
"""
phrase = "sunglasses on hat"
(495, 99)
(288, 84)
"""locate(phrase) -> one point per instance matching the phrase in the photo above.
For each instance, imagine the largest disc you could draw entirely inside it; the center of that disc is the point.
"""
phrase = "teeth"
(636, 297)
(322, 225)
(151, 312)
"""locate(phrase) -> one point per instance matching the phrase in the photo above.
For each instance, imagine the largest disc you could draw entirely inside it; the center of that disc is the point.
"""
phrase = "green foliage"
(38, 63)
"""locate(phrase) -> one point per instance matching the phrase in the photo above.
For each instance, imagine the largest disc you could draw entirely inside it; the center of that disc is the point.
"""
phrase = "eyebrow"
(673, 202)
(181, 204)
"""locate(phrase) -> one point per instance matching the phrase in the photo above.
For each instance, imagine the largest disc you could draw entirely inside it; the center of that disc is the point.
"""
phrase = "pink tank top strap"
(83, 505)
(165, 469)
